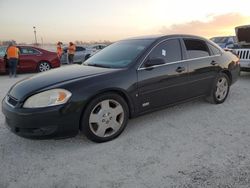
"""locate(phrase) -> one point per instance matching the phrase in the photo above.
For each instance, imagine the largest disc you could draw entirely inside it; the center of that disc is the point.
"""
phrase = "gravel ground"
(191, 145)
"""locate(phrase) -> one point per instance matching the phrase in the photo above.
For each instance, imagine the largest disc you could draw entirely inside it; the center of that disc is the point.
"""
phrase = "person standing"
(12, 59)
(59, 50)
(71, 52)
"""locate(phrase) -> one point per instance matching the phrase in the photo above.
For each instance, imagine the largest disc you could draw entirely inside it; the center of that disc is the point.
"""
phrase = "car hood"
(46, 79)
(243, 34)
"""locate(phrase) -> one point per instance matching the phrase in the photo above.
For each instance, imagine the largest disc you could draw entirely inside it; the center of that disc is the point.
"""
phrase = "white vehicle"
(82, 53)
(243, 37)
(93, 49)
(225, 41)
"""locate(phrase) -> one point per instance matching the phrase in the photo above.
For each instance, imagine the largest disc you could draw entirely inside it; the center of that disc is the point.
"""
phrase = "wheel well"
(120, 93)
(116, 92)
(44, 61)
(41, 62)
(228, 74)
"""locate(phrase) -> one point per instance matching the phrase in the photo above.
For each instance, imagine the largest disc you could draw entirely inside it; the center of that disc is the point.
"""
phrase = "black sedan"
(128, 78)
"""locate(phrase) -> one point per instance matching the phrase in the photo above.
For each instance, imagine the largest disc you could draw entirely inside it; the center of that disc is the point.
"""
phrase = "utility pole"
(35, 35)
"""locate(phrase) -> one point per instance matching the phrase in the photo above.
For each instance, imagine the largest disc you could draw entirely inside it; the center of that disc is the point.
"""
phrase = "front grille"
(243, 53)
(12, 101)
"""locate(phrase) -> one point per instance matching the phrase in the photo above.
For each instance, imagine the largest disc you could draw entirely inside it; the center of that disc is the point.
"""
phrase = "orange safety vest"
(59, 51)
(12, 52)
(72, 49)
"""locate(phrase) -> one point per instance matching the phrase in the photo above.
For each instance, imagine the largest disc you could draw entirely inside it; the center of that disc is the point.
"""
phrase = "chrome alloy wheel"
(106, 118)
(221, 89)
(44, 66)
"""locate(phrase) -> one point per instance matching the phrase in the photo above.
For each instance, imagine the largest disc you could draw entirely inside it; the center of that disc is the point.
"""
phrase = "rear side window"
(80, 49)
(214, 49)
(196, 48)
(169, 50)
(27, 51)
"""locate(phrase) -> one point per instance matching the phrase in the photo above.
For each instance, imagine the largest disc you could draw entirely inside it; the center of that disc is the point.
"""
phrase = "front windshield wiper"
(99, 65)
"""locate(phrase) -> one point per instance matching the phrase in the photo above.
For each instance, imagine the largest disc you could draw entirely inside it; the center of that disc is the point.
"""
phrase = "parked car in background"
(31, 59)
(82, 53)
(79, 56)
(225, 41)
(95, 48)
(128, 78)
(243, 49)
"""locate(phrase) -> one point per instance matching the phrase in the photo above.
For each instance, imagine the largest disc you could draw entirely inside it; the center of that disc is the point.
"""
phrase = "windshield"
(119, 54)
(2, 51)
(220, 39)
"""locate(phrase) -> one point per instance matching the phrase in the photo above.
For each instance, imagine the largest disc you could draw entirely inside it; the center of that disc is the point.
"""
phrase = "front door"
(163, 84)
(28, 59)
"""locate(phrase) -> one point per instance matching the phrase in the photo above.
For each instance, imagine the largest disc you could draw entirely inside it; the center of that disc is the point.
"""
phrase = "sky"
(94, 20)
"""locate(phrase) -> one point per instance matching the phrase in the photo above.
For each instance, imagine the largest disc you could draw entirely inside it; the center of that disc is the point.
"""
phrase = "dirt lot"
(195, 144)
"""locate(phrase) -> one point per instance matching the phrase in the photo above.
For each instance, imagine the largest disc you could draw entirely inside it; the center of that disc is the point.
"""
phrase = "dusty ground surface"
(195, 144)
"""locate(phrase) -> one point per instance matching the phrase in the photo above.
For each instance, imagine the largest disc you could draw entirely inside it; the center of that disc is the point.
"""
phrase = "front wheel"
(105, 117)
(43, 66)
(220, 89)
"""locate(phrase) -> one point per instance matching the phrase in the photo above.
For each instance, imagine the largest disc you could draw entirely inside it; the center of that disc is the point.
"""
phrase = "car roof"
(21, 46)
(160, 37)
(223, 36)
(26, 46)
(242, 26)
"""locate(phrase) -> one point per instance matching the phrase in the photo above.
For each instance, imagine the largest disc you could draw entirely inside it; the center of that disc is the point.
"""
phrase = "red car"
(31, 59)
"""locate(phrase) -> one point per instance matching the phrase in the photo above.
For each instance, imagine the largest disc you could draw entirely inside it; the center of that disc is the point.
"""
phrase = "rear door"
(203, 66)
(28, 59)
(163, 84)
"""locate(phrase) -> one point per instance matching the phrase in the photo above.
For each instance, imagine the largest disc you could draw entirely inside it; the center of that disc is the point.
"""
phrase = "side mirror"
(153, 62)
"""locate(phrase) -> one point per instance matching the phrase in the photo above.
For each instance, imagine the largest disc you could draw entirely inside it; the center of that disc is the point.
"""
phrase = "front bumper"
(245, 64)
(50, 122)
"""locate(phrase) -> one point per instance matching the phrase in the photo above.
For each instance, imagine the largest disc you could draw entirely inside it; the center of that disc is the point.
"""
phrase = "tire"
(105, 117)
(220, 89)
(43, 66)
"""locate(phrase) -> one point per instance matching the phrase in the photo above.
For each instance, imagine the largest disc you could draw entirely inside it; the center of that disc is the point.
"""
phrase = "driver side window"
(168, 51)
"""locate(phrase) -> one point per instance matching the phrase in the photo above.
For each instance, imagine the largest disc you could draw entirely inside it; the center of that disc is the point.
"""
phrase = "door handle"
(214, 63)
(180, 69)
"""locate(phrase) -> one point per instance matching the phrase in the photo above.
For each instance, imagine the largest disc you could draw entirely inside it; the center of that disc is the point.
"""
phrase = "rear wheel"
(43, 66)
(220, 89)
(105, 117)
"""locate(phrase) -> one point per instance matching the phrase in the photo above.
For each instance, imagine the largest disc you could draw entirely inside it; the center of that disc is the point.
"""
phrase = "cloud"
(217, 25)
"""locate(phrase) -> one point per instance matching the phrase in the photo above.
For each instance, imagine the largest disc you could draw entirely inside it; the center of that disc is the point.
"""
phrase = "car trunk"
(243, 35)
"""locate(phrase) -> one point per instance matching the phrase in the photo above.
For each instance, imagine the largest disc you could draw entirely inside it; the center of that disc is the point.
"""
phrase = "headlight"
(48, 98)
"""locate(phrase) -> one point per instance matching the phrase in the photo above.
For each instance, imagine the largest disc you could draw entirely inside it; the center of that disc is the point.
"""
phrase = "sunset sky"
(86, 20)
